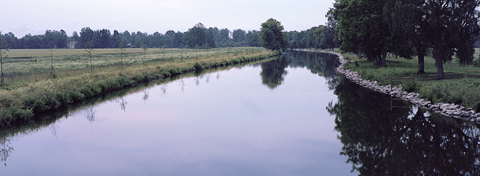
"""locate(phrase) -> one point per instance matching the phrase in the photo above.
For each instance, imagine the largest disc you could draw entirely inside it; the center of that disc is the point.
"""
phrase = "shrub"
(198, 67)
(410, 86)
(87, 92)
(62, 97)
(174, 71)
(12, 112)
(76, 95)
(35, 103)
(476, 106)
(143, 77)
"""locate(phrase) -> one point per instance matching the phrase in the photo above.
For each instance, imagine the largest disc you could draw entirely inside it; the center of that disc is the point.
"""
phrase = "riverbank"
(21, 102)
(446, 109)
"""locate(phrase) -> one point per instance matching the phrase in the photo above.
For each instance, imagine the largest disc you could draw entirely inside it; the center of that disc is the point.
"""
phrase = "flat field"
(33, 61)
(31, 53)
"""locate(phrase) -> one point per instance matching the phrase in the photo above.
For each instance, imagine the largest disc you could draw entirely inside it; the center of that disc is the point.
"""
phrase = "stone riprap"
(446, 109)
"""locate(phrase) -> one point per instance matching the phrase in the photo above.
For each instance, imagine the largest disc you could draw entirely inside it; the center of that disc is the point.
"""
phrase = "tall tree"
(75, 36)
(272, 36)
(11, 41)
(56, 38)
(361, 28)
(116, 39)
(104, 38)
(86, 34)
(238, 35)
(409, 29)
(253, 38)
(195, 36)
(210, 38)
(199, 36)
(177, 40)
(454, 29)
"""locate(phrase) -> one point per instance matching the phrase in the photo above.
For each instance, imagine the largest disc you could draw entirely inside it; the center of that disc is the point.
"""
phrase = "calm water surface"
(290, 116)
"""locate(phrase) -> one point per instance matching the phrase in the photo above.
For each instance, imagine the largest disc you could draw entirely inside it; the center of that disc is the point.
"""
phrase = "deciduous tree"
(272, 36)
(361, 28)
(454, 29)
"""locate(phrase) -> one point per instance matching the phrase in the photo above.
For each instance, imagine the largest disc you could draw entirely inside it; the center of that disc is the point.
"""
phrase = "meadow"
(30, 87)
(21, 61)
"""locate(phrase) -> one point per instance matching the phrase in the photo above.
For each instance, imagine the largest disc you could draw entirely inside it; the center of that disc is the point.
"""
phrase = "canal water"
(290, 116)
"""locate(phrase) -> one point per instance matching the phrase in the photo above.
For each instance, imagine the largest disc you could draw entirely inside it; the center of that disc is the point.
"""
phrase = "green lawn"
(454, 89)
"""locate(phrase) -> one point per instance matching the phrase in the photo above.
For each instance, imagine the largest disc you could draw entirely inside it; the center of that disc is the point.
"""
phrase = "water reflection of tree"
(378, 141)
(164, 88)
(5, 150)
(273, 72)
(123, 103)
(145, 95)
(319, 63)
(91, 113)
(324, 65)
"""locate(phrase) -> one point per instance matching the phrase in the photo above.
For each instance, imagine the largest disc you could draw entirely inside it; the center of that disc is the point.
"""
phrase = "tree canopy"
(272, 36)
(361, 28)
(407, 27)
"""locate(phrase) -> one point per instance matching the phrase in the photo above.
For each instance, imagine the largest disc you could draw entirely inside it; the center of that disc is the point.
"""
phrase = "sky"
(22, 17)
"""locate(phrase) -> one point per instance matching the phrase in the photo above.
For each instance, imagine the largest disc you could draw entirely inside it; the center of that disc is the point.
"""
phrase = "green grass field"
(454, 89)
(29, 61)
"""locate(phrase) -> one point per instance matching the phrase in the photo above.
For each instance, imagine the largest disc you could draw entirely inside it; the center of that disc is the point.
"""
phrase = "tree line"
(408, 28)
(321, 37)
(273, 37)
(198, 36)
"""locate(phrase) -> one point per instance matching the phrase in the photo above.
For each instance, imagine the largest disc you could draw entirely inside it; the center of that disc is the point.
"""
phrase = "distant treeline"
(196, 37)
(321, 37)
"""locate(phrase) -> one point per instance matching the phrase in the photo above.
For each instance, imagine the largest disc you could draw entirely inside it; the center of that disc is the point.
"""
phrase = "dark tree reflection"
(319, 63)
(404, 141)
(273, 72)
(5, 150)
(324, 65)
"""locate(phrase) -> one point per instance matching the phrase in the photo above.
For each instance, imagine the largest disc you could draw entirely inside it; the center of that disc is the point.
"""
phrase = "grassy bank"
(454, 89)
(39, 92)
(41, 120)
(22, 66)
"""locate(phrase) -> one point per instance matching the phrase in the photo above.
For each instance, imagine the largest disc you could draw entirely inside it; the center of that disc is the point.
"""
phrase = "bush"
(13, 112)
(143, 77)
(198, 67)
(174, 71)
(76, 95)
(87, 92)
(35, 103)
(40, 103)
(476, 106)
(410, 86)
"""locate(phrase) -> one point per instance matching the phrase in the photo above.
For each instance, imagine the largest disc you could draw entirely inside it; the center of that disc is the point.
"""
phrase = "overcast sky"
(36, 16)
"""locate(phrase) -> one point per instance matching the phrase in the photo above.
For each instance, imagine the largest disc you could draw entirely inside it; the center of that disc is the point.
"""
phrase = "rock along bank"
(446, 109)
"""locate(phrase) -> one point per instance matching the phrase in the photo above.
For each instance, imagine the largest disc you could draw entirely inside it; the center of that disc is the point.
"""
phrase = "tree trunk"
(376, 62)
(421, 62)
(439, 63)
(383, 59)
